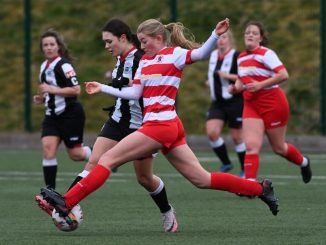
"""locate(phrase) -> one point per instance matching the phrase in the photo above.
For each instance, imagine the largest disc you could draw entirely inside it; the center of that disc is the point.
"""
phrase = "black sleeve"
(234, 67)
(66, 75)
(135, 64)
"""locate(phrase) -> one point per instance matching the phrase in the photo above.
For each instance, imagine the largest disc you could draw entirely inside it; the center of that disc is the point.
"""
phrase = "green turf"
(121, 212)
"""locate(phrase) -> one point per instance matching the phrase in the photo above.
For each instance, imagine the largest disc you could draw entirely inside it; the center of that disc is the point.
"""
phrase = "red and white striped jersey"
(258, 65)
(160, 77)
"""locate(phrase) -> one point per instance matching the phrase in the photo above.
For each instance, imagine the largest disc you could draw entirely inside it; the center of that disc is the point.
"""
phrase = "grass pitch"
(121, 212)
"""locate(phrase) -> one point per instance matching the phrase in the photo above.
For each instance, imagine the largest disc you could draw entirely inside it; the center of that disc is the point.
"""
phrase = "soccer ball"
(70, 222)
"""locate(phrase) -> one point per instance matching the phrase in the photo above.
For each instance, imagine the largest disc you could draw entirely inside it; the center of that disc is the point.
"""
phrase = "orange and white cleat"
(170, 223)
(44, 205)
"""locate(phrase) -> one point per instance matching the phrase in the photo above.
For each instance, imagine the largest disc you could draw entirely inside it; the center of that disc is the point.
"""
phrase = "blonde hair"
(229, 34)
(174, 34)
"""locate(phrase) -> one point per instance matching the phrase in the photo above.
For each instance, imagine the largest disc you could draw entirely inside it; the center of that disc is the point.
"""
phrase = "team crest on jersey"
(159, 59)
(127, 67)
(226, 64)
(49, 73)
(70, 74)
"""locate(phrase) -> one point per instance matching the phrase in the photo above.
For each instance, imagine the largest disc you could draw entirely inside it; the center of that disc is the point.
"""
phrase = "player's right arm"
(237, 87)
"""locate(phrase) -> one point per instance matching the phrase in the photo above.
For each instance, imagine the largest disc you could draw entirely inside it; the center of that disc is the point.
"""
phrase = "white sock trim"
(158, 189)
(240, 147)
(87, 151)
(216, 143)
(49, 162)
(304, 162)
(252, 179)
(83, 174)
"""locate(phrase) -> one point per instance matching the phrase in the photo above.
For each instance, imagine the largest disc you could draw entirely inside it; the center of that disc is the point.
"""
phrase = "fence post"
(27, 66)
(322, 67)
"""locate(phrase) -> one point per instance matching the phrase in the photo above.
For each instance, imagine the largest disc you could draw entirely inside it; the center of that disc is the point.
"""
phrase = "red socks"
(235, 184)
(95, 179)
(251, 163)
(251, 166)
(294, 155)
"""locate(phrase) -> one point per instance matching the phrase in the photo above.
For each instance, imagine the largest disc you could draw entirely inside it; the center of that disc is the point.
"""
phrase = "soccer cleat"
(306, 172)
(170, 223)
(56, 200)
(269, 197)
(44, 205)
(226, 168)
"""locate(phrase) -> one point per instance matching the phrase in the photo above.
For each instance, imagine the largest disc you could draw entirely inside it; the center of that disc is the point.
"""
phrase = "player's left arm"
(67, 87)
(279, 77)
(65, 92)
(280, 74)
(205, 50)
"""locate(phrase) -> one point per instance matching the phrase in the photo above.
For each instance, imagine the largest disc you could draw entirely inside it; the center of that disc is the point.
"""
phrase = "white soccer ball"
(70, 222)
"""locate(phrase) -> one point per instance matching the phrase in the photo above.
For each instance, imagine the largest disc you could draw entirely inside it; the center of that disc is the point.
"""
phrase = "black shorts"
(69, 125)
(229, 111)
(114, 130)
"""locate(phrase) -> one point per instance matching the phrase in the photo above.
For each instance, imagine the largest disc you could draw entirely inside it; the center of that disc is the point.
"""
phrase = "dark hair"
(262, 31)
(117, 27)
(63, 50)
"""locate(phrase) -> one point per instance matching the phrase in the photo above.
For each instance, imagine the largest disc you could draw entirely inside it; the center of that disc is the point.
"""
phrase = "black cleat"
(269, 197)
(306, 172)
(56, 200)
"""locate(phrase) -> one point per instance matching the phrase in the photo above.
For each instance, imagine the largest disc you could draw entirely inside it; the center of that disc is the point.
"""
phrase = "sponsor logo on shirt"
(247, 68)
(70, 74)
(151, 76)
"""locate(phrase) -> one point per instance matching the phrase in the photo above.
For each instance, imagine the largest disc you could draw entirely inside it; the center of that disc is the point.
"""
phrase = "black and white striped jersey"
(127, 112)
(60, 73)
(219, 86)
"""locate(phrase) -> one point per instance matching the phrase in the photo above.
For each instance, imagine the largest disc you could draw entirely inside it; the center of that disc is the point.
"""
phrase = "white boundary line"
(36, 175)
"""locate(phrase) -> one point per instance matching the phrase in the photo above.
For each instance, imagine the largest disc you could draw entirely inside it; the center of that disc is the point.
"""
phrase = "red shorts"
(168, 133)
(269, 105)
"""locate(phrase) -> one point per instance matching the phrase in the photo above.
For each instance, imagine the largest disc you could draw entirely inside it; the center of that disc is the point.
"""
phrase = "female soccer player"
(125, 118)
(225, 107)
(157, 79)
(266, 108)
(64, 118)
